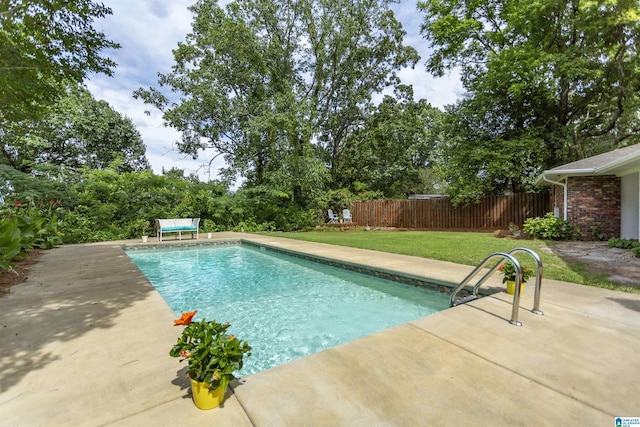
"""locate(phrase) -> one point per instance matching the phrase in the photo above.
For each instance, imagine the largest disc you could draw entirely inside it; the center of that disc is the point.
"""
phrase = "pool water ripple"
(285, 307)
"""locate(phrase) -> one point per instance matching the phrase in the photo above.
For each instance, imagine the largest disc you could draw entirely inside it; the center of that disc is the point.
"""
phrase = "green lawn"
(462, 248)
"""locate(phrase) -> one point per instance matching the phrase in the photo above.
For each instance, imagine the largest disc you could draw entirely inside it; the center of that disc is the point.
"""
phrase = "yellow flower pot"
(205, 398)
(511, 287)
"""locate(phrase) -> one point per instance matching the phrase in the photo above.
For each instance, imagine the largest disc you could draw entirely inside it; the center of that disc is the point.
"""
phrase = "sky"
(148, 31)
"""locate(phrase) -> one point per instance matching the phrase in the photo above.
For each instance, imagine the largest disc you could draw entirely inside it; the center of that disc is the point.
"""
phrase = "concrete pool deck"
(85, 342)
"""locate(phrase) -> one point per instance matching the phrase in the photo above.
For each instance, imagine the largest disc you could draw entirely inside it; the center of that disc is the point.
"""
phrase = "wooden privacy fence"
(491, 213)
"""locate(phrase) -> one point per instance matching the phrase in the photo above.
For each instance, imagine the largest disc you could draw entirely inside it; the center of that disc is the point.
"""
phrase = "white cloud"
(438, 91)
(148, 32)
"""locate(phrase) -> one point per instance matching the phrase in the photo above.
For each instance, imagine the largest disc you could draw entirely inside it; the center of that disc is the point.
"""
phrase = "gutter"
(564, 186)
(574, 172)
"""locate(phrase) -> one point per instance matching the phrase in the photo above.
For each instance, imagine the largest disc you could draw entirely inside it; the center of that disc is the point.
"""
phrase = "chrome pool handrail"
(516, 293)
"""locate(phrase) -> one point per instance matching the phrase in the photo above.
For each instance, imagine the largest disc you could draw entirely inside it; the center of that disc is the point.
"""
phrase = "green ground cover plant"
(25, 227)
(461, 247)
(633, 245)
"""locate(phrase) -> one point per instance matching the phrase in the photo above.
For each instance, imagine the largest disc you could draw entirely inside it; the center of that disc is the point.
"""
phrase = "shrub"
(617, 242)
(10, 246)
(26, 226)
(210, 226)
(634, 245)
(548, 228)
(251, 226)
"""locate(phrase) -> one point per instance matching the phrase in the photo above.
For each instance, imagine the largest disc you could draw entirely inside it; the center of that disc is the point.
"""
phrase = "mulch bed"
(19, 272)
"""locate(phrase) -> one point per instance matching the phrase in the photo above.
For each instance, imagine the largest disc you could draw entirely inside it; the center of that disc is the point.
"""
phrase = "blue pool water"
(285, 307)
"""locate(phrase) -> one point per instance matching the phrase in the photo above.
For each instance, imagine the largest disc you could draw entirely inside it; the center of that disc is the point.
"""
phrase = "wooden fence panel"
(492, 212)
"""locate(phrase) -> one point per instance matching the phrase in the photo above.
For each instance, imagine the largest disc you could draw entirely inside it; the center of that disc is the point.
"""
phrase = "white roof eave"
(622, 166)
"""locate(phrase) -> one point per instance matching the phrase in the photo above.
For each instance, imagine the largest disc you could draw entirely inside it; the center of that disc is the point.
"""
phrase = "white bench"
(177, 225)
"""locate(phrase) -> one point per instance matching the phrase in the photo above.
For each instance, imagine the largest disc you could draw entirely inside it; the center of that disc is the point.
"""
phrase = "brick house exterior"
(600, 195)
(593, 205)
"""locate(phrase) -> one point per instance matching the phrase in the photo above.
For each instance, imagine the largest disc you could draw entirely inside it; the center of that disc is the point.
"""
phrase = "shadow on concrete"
(181, 380)
(630, 304)
(72, 291)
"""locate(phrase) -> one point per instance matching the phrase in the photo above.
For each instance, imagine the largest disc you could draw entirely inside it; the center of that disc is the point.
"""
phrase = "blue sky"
(148, 30)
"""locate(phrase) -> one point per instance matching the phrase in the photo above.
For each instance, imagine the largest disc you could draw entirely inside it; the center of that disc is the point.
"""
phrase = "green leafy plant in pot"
(213, 356)
(509, 271)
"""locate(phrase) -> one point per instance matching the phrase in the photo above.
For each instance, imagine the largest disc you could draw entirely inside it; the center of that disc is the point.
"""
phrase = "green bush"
(9, 241)
(210, 226)
(548, 228)
(25, 227)
(617, 242)
(634, 245)
(251, 226)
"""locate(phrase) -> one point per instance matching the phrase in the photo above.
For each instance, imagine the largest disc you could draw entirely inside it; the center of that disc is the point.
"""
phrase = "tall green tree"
(394, 148)
(278, 86)
(547, 82)
(44, 44)
(77, 132)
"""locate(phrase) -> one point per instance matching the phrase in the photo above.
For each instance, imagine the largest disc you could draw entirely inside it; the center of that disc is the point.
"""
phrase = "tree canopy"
(394, 148)
(278, 87)
(44, 45)
(77, 132)
(547, 82)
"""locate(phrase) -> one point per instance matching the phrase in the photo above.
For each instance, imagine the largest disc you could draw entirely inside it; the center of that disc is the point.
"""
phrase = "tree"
(548, 82)
(477, 160)
(16, 185)
(277, 87)
(43, 46)
(391, 151)
(77, 132)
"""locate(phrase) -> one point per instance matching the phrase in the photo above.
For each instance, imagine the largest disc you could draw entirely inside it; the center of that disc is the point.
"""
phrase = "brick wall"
(593, 205)
(557, 199)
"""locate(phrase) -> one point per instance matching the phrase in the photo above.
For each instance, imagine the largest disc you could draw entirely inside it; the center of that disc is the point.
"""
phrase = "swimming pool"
(285, 307)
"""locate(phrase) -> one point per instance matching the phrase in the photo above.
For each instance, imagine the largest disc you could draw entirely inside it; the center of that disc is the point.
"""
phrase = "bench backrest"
(177, 222)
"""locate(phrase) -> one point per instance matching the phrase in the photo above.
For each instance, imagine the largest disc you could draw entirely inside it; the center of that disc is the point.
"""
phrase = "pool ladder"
(516, 293)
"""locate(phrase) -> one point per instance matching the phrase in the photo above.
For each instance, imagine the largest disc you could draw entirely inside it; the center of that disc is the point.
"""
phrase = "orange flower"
(185, 354)
(185, 319)
(231, 337)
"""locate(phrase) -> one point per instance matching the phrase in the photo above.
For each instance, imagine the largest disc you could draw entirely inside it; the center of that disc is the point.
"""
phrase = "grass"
(463, 248)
